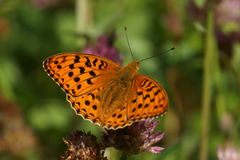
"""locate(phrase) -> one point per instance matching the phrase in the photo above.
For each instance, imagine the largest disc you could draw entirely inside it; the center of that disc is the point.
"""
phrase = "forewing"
(79, 73)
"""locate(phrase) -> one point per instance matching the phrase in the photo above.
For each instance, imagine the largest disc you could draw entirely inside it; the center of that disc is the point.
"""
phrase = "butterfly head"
(134, 65)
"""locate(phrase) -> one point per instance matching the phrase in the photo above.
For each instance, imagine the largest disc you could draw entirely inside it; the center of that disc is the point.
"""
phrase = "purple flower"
(134, 139)
(104, 48)
(227, 21)
(228, 11)
(83, 146)
(228, 153)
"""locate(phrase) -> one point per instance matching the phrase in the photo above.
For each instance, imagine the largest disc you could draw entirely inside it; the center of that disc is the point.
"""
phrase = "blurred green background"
(201, 76)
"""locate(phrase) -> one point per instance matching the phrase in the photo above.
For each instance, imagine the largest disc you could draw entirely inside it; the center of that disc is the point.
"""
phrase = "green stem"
(81, 16)
(207, 84)
(83, 19)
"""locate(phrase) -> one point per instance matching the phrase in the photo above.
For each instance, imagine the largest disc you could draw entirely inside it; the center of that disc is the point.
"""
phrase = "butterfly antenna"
(125, 28)
(157, 54)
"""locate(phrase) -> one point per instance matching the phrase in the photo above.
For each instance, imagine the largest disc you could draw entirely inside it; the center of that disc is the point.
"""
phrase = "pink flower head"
(104, 48)
(228, 153)
(83, 145)
(134, 139)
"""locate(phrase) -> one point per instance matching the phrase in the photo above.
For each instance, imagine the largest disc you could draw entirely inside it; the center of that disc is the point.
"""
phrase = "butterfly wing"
(148, 99)
(87, 106)
(79, 73)
(118, 119)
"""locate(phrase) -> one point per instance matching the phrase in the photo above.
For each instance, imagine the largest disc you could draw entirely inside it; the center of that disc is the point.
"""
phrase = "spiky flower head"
(83, 146)
(228, 153)
(134, 139)
(104, 48)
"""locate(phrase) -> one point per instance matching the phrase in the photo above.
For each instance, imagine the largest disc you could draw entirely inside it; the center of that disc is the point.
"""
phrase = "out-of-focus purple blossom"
(83, 146)
(226, 122)
(104, 48)
(228, 153)
(226, 12)
(134, 139)
(175, 25)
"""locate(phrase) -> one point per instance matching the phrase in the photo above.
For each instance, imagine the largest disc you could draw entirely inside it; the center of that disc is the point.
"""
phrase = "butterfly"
(104, 93)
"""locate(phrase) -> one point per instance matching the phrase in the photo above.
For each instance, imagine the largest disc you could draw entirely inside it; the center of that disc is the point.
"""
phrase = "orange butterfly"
(104, 93)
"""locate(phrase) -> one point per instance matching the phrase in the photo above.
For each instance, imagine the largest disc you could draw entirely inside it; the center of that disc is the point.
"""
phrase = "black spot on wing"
(101, 66)
(71, 66)
(140, 106)
(87, 102)
(92, 114)
(150, 89)
(89, 81)
(92, 73)
(119, 116)
(94, 62)
(93, 96)
(122, 108)
(146, 97)
(94, 107)
(81, 70)
(76, 79)
(79, 86)
(88, 63)
(146, 106)
(133, 109)
(157, 92)
(77, 58)
(144, 82)
(70, 74)
(73, 91)
(149, 84)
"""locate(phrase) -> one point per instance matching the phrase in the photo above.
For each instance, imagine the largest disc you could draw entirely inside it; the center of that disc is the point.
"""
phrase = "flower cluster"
(104, 48)
(83, 146)
(134, 139)
(228, 153)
